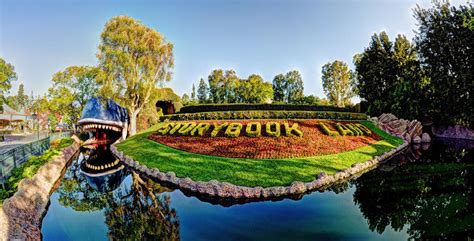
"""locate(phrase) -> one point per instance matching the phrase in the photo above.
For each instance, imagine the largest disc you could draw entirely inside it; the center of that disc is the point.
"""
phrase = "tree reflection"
(135, 211)
(430, 198)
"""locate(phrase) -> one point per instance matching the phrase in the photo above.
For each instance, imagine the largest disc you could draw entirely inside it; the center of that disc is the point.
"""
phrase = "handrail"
(13, 158)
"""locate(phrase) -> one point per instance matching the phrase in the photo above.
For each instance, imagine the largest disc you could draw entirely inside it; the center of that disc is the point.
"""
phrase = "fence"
(11, 159)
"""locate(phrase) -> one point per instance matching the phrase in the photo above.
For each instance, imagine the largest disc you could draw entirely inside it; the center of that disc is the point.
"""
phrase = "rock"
(407, 137)
(296, 188)
(416, 140)
(425, 138)
(458, 132)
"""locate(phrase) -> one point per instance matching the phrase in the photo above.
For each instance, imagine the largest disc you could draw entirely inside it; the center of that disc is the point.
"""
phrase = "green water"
(422, 194)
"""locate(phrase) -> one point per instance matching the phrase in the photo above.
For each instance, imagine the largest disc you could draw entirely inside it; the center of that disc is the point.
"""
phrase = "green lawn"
(29, 168)
(248, 172)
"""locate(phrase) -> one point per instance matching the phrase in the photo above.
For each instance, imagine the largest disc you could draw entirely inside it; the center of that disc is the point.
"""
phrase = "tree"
(202, 91)
(21, 98)
(185, 99)
(309, 100)
(338, 82)
(222, 86)
(446, 48)
(279, 88)
(254, 90)
(71, 90)
(215, 79)
(135, 59)
(288, 88)
(193, 94)
(7, 75)
(376, 73)
(294, 86)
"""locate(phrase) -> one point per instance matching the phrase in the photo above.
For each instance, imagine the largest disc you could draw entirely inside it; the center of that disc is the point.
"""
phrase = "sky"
(265, 37)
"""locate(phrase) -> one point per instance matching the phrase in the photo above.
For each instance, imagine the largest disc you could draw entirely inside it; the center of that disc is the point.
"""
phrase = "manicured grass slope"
(248, 172)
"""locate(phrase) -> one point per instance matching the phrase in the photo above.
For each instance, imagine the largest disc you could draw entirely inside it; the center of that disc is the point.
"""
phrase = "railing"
(11, 159)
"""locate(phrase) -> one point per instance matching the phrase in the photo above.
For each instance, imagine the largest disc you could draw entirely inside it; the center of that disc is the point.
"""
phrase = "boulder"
(425, 138)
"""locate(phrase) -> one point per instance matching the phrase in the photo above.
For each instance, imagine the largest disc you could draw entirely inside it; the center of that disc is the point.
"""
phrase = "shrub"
(270, 132)
(327, 131)
(344, 131)
(253, 133)
(355, 129)
(252, 107)
(186, 128)
(217, 128)
(233, 130)
(366, 130)
(201, 128)
(293, 128)
(267, 115)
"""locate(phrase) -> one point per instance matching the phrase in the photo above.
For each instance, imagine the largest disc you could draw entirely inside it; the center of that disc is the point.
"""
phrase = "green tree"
(215, 79)
(135, 58)
(7, 75)
(376, 73)
(202, 92)
(222, 86)
(193, 94)
(294, 86)
(279, 88)
(185, 99)
(445, 43)
(255, 90)
(338, 82)
(21, 98)
(71, 90)
(309, 100)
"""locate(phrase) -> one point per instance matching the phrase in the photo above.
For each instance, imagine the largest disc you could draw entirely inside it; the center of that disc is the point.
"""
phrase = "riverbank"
(21, 214)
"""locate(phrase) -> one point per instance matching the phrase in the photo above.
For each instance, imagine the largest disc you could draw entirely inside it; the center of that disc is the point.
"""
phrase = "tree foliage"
(445, 43)
(389, 77)
(71, 90)
(288, 88)
(135, 58)
(227, 87)
(202, 93)
(338, 83)
(7, 75)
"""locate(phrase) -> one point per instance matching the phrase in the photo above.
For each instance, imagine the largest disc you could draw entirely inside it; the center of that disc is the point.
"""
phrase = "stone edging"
(227, 190)
(21, 215)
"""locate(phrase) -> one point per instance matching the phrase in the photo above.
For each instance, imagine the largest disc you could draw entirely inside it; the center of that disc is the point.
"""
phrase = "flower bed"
(267, 140)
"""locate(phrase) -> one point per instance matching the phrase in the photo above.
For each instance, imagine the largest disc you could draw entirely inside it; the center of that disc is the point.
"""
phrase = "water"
(420, 194)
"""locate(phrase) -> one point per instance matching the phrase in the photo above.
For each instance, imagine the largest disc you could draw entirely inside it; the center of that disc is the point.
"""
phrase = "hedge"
(249, 107)
(238, 115)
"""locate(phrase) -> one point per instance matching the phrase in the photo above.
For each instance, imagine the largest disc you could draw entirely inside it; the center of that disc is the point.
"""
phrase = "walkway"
(13, 141)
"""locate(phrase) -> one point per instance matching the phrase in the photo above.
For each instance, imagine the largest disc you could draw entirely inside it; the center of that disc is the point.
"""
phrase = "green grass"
(29, 168)
(244, 171)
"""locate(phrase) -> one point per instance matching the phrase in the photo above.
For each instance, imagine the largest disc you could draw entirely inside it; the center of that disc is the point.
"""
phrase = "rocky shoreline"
(215, 188)
(21, 214)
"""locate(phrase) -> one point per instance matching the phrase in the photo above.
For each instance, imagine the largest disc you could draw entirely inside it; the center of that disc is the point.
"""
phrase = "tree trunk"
(133, 123)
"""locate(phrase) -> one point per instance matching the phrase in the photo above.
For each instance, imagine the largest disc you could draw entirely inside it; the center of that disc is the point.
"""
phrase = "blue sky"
(266, 37)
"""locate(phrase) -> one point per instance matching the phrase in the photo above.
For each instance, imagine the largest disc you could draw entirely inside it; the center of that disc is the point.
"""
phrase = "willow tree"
(135, 58)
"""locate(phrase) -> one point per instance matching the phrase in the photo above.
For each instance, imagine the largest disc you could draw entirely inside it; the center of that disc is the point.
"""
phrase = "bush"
(270, 132)
(343, 130)
(253, 133)
(217, 128)
(327, 131)
(233, 130)
(29, 168)
(266, 115)
(249, 107)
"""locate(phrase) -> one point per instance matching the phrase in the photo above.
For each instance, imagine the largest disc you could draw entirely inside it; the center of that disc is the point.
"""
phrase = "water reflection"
(131, 210)
(433, 197)
(423, 193)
